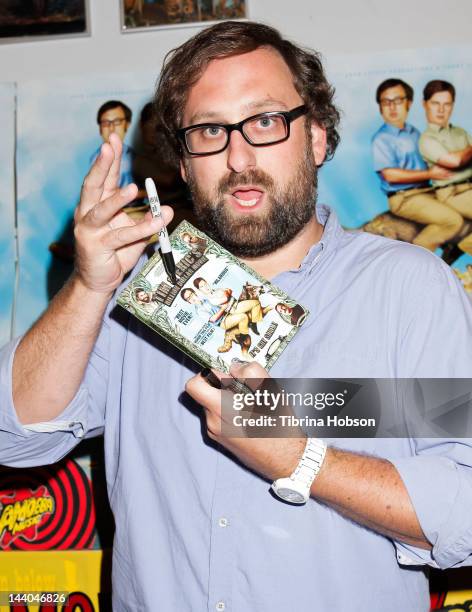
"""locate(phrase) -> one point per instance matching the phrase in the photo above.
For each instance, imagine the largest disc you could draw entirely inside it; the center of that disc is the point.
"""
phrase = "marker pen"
(164, 242)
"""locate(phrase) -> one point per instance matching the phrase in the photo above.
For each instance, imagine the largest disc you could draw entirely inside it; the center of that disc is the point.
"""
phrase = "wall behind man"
(333, 27)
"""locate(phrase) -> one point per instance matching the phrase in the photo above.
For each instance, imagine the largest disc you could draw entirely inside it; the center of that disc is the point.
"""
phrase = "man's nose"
(241, 154)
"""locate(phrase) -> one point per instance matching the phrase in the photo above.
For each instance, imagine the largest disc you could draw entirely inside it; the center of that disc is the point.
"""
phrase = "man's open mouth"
(247, 197)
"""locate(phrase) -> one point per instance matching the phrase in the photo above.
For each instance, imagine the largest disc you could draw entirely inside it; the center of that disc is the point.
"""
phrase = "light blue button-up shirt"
(394, 147)
(126, 164)
(197, 531)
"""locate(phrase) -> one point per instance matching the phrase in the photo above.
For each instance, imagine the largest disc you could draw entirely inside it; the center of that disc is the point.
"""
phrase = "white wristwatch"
(296, 488)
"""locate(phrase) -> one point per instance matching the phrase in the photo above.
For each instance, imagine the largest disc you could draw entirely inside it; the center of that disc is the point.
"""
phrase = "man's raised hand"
(108, 241)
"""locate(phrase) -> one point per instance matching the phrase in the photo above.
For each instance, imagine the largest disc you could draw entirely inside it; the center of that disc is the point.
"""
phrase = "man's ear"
(318, 143)
(183, 172)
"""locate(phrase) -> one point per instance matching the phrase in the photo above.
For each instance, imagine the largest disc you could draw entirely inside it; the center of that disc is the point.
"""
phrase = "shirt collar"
(392, 129)
(434, 127)
(332, 232)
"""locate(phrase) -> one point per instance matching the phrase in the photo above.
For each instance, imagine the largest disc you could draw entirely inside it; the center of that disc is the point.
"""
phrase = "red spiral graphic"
(46, 508)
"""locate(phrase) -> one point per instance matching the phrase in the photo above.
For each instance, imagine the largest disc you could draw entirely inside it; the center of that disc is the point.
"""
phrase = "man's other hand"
(271, 457)
(438, 173)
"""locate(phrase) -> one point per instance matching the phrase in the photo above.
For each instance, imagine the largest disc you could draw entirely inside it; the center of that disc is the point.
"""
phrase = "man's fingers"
(103, 212)
(251, 374)
(167, 213)
(113, 178)
(210, 398)
(93, 185)
(202, 392)
(123, 236)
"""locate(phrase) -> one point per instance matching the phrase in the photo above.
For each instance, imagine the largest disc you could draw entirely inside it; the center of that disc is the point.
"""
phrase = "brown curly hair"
(184, 65)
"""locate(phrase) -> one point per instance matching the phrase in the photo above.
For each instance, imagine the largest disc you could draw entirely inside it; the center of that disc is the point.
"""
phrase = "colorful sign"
(46, 508)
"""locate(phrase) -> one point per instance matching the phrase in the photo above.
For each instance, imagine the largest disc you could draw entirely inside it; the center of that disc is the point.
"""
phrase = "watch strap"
(311, 462)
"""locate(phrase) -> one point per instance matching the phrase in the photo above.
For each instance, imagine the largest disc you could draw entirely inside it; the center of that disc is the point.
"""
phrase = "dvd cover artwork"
(219, 309)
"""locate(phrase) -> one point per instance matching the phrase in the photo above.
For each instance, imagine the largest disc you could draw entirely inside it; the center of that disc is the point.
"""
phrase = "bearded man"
(251, 116)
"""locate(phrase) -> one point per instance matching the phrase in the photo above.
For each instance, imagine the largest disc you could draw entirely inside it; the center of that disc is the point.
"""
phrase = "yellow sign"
(71, 571)
(457, 597)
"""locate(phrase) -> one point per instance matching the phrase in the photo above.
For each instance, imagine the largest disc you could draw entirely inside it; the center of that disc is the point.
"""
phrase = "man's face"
(283, 309)
(394, 106)
(113, 120)
(439, 108)
(191, 297)
(251, 199)
(142, 296)
(189, 238)
(204, 287)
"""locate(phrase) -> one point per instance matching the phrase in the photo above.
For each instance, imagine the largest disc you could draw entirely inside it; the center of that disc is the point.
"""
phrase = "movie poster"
(349, 182)
(58, 137)
(7, 210)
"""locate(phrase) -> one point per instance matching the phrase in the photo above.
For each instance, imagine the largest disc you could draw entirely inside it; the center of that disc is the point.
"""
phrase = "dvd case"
(219, 309)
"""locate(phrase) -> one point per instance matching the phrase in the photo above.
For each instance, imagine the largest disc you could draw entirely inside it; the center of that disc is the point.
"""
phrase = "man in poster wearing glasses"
(115, 116)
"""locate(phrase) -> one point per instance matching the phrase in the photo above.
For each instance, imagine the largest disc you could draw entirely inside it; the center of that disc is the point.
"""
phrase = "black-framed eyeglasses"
(398, 101)
(258, 130)
(106, 123)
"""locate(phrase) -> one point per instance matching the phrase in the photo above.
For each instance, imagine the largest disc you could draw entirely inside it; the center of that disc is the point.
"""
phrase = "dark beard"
(252, 236)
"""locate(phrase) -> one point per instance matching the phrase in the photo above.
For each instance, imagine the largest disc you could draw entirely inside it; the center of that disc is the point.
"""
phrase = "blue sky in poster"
(7, 209)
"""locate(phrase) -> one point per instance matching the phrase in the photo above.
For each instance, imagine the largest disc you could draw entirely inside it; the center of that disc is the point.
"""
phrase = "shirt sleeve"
(383, 154)
(45, 443)
(439, 482)
(438, 474)
(431, 149)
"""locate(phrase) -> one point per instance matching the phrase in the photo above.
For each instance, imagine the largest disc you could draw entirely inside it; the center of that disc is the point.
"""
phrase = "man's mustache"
(250, 177)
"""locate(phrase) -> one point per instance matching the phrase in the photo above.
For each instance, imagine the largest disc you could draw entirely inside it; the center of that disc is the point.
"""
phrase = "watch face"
(290, 495)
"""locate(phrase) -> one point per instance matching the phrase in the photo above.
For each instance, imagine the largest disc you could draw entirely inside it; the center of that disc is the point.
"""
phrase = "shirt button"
(220, 606)
(222, 522)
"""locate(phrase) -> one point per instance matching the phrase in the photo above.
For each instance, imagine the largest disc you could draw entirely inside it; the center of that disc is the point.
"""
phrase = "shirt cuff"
(36, 443)
(440, 490)
(73, 418)
(411, 555)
